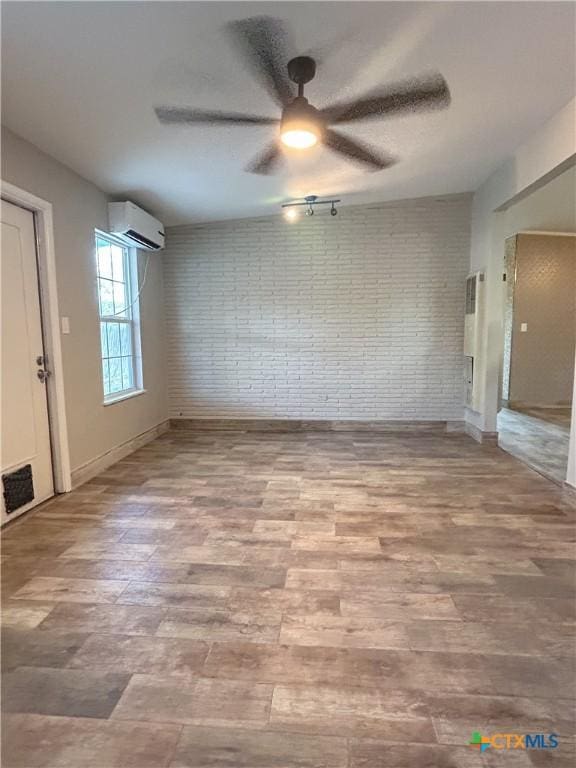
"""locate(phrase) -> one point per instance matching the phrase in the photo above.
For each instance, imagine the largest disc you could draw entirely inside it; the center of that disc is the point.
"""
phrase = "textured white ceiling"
(80, 80)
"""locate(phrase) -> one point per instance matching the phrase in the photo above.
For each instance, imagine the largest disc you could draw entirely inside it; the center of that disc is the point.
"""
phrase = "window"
(117, 272)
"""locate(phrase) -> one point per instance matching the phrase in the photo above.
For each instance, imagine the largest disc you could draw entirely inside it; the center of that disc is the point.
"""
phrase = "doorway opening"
(539, 348)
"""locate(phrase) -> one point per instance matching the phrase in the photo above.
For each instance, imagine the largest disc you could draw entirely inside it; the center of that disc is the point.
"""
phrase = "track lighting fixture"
(291, 209)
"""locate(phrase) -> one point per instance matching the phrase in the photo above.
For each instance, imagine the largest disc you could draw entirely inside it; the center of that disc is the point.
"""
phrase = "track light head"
(291, 210)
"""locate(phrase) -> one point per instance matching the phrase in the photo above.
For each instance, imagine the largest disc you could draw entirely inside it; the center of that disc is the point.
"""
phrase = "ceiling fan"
(263, 42)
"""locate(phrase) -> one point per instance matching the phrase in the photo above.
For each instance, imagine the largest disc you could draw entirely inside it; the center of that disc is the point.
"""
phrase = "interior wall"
(534, 189)
(357, 316)
(78, 208)
(544, 321)
(551, 207)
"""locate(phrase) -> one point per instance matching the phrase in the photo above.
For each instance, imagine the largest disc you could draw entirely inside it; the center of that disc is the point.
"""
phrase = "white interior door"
(25, 447)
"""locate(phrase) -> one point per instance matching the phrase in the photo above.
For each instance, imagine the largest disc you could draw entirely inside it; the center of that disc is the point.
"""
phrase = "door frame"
(50, 316)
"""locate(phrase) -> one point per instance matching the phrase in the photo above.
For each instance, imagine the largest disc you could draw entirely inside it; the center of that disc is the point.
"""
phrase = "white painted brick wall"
(358, 316)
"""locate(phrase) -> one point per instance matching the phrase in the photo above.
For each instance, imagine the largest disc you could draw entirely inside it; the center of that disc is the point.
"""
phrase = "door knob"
(42, 375)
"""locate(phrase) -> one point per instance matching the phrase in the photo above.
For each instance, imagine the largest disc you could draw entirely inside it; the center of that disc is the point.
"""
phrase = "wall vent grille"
(18, 488)
(470, 295)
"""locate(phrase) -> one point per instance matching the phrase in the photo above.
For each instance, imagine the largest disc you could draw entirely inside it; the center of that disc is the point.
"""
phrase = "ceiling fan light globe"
(301, 127)
(299, 136)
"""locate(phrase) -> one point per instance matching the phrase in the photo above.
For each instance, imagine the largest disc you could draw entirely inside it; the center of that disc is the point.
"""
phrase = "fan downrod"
(301, 69)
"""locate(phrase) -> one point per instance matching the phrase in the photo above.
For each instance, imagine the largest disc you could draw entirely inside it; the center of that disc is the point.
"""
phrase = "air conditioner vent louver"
(133, 235)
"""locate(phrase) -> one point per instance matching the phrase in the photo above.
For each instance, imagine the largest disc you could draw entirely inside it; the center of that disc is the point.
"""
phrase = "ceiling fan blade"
(263, 41)
(353, 150)
(266, 162)
(416, 95)
(189, 116)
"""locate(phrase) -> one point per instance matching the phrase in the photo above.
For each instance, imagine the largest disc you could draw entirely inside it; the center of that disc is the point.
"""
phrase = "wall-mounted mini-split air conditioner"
(135, 227)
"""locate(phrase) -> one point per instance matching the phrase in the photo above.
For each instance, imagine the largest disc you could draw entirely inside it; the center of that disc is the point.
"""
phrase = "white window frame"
(133, 319)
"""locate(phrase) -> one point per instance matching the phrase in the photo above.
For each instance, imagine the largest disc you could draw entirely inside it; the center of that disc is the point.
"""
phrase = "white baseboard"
(479, 435)
(91, 468)
(388, 426)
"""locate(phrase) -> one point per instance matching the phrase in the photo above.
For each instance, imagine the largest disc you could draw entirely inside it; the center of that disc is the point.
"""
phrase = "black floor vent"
(18, 488)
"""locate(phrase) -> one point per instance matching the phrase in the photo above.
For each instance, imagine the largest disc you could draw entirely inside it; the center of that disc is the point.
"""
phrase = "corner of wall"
(547, 154)
(91, 468)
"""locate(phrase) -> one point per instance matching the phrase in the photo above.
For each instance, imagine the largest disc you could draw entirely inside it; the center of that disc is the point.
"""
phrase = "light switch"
(65, 324)
(523, 327)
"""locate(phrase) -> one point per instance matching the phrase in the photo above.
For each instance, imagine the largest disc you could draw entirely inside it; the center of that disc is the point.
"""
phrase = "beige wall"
(79, 207)
(542, 357)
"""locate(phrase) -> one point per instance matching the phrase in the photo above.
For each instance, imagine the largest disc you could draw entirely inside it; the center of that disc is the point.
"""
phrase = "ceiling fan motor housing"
(300, 115)
(301, 69)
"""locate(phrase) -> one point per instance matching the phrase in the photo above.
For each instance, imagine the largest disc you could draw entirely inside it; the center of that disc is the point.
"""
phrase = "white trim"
(543, 232)
(94, 467)
(130, 318)
(44, 226)
(112, 238)
(135, 290)
(125, 395)
(480, 435)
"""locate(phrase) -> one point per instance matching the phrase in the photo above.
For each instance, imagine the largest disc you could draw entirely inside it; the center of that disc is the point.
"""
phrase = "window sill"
(123, 396)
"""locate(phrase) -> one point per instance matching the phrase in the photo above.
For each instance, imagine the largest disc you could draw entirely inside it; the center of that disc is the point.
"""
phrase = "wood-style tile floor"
(304, 600)
(540, 437)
